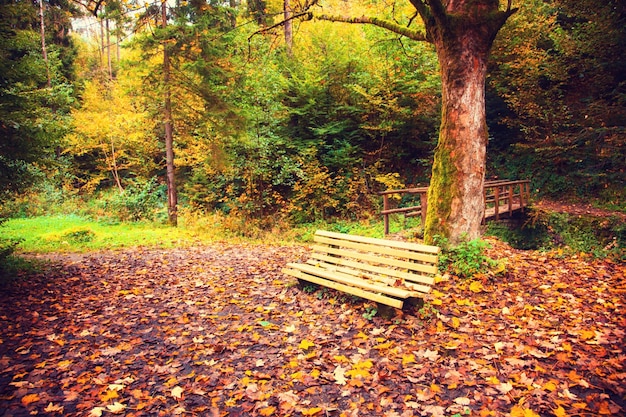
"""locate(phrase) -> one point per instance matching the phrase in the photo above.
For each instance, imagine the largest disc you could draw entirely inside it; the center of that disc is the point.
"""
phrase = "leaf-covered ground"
(219, 331)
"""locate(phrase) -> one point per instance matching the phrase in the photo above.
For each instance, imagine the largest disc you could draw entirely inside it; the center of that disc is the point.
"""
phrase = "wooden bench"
(386, 271)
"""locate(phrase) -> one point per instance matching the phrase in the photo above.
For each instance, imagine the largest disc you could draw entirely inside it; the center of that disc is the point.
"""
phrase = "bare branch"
(303, 15)
(386, 24)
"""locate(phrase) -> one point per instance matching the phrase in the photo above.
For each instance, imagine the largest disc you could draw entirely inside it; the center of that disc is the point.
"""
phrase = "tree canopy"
(353, 109)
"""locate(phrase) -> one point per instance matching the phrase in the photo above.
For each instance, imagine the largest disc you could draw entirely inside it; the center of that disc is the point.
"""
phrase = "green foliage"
(465, 259)
(139, 201)
(557, 96)
(427, 311)
(370, 313)
(33, 113)
(598, 237)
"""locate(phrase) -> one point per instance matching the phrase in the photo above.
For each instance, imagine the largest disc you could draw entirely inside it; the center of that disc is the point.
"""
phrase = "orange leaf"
(311, 411)
(268, 411)
(604, 409)
(560, 412)
(109, 395)
(519, 411)
(30, 398)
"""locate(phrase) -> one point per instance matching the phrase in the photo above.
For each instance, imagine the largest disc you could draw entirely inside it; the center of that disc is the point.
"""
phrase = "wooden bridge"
(502, 199)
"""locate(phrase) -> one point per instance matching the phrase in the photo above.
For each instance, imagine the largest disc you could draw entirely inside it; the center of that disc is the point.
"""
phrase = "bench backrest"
(410, 263)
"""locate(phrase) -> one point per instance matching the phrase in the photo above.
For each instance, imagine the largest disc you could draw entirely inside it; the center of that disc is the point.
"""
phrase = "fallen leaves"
(220, 331)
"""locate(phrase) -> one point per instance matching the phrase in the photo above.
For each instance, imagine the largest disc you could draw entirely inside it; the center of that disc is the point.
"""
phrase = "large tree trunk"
(462, 35)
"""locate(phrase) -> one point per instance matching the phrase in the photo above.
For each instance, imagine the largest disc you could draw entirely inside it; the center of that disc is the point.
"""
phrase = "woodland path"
(218, 330)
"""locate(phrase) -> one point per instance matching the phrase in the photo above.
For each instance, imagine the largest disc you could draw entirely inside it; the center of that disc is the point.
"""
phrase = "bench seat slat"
(383, 250)
(367, 257)
(384, 279)
(422, 279)
(352, 280)
(380, 242)
(379, 298)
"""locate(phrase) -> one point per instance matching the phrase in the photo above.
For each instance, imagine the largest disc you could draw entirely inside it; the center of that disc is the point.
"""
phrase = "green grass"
(72, 233)
(76, 234)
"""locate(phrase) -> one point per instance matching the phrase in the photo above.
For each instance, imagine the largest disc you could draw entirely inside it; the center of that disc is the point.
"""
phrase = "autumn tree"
(35, 93)
(462, 32)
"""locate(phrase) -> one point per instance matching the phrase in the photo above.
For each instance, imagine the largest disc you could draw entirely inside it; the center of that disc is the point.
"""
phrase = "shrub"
(139, 201)
(466, 259)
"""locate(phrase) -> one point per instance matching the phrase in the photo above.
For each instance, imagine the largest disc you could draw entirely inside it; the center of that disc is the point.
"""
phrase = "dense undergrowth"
(138, 220)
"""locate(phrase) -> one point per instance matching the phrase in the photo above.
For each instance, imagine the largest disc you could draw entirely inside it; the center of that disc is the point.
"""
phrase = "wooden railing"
(502, 197)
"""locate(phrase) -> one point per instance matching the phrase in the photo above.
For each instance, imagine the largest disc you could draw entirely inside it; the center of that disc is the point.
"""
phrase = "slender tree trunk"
(44, 51)
(115, 171)
(118, 42)
(172, 197)
(288, 28)
(101, 44)
(109, 64)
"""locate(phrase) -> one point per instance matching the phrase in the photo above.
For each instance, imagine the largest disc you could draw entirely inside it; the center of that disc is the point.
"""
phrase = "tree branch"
(304, 15)
(386, 24)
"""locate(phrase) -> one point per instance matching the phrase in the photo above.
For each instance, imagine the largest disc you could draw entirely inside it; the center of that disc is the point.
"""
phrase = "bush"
(139, 201)
(466, 259)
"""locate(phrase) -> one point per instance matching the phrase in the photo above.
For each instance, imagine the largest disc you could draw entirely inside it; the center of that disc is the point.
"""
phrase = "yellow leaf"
(177, 392)
(64, 364)
(587, 334)
(306, 344)
(476, 287)
(30, 398)
(406, 359)
(108, 395)
(267, 411)
(493, 380)
(559, 412)
(435, 388)
(550, 386)
(311, 411)
(172, 381)
(116, 408)
(436, 302)
(384, 346)
(437, 294)
(455, 323)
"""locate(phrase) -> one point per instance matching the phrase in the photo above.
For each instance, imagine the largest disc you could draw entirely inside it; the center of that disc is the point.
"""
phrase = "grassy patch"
(73, 233)
(76, 234)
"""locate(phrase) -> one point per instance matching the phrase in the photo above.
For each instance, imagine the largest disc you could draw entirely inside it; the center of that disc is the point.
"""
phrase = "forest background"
(273, 129)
